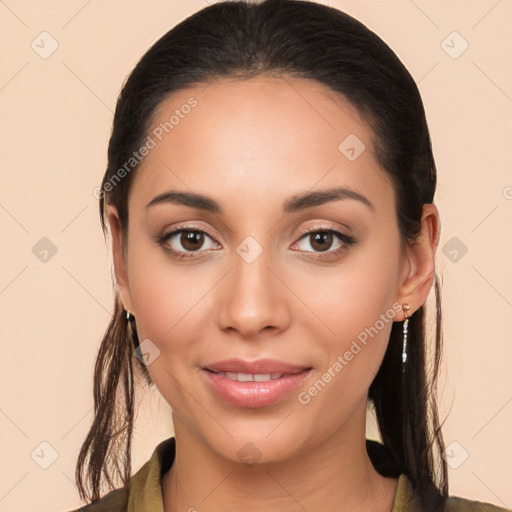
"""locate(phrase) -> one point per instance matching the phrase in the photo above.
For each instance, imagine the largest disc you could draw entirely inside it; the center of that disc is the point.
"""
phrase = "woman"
(269, 192)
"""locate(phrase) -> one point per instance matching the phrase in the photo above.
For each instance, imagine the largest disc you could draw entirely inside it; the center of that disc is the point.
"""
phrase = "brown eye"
(187, 242)
(321, 240)
(192, 240)
(327, 241)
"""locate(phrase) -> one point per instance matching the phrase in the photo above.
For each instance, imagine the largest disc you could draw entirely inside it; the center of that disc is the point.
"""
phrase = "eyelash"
(347, 241)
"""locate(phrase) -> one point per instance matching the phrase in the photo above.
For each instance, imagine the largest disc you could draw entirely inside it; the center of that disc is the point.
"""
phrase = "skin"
(251, 145)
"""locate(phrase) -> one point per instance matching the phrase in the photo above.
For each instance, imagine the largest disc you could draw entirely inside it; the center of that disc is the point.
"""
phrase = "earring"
(406, 308)
(132, 331)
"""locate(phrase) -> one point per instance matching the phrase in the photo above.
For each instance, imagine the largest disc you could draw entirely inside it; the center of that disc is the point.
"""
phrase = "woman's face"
(271, 159)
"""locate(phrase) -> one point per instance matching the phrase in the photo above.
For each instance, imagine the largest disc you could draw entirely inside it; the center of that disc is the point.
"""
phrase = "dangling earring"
(132, 330)
(406, 308)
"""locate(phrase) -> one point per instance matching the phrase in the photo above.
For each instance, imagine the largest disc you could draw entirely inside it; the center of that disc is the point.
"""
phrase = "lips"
(254, 383)
(259, 366)
(250, 377)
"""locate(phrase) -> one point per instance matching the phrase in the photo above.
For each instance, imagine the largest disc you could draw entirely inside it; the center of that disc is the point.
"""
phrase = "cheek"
(357, 302)
(170, 302)
(352, 297)
(350, 358)
(164, 293)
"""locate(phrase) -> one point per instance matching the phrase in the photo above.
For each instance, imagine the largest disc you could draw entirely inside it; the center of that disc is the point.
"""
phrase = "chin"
(258, 442)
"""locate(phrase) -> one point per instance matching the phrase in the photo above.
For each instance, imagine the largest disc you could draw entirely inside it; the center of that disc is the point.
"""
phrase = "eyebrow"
(293, 204)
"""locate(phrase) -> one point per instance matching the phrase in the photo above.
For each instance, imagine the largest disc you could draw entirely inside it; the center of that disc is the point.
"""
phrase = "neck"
(334, 475)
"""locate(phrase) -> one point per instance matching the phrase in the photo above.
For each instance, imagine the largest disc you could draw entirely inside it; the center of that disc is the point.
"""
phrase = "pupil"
(191, 240)
(322, 237)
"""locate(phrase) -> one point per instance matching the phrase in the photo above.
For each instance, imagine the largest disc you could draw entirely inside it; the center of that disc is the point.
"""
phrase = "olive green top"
(144, 491)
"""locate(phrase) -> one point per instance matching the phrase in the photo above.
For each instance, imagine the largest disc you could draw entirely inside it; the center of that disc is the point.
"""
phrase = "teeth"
(262, 377)
(250, 377)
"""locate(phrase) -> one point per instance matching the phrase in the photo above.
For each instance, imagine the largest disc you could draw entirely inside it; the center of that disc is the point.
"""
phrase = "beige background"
(56, 114)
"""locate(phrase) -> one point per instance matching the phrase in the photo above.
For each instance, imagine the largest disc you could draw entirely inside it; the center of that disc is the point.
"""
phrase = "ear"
(119, 258)
(418, 273)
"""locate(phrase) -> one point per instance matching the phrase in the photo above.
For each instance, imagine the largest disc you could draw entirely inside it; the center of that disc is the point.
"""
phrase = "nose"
(253, 299)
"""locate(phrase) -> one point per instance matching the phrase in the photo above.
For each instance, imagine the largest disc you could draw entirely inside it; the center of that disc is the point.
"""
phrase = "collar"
(145, 491)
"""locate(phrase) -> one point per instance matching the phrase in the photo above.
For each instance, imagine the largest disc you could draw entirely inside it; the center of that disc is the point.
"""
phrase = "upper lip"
(262, 366)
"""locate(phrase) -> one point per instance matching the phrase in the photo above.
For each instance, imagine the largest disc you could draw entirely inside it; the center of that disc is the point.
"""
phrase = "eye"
(322, 241)
(184, 242)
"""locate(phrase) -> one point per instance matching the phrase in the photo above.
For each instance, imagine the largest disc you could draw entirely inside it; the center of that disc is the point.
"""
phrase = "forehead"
(255, 136)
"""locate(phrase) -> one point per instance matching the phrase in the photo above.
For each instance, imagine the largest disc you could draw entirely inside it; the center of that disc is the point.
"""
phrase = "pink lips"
(254, 383)
(258, 366)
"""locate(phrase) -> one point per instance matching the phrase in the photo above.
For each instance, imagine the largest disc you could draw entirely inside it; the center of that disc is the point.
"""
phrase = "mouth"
(254, 383)
(250, 377)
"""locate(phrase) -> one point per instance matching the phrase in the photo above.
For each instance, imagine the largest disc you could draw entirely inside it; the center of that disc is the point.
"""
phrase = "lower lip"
(254, 394)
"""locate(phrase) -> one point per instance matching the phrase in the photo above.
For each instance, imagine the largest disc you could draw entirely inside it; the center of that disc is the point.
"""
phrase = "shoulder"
(458, 504)
(143, 491)
(407, 500)
(114, 501)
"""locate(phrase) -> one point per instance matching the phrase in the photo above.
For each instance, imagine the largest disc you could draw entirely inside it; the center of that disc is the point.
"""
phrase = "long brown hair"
(304, 40)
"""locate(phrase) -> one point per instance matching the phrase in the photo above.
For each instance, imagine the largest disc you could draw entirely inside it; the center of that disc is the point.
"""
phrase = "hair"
(298, 39)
